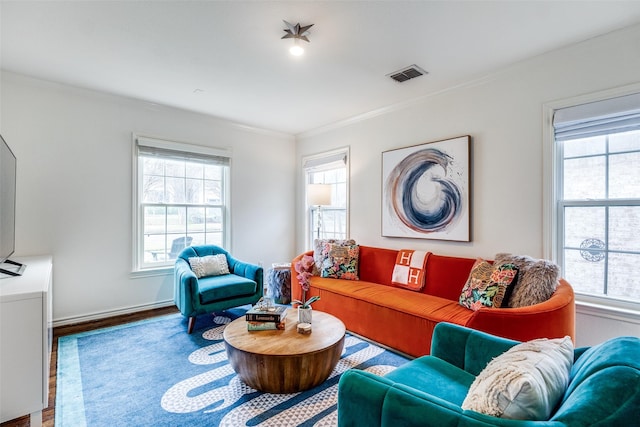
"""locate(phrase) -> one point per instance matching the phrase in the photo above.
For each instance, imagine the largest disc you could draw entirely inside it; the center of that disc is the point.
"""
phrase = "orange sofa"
(404, 320)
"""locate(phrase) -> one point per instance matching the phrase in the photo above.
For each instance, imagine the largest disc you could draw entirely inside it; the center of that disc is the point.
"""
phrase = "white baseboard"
(111, 313)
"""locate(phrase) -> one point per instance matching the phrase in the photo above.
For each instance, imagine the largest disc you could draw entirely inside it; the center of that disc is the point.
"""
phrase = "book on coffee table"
(281, 266)
(275, 313)
(265, 326)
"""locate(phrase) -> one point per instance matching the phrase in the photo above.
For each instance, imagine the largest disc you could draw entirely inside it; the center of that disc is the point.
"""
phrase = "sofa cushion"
(487, 285)
(209, 265)
(447, 275)
(388, 298)
(338, 259)
(435, 377)
(409, 269)
(537, 279)
(376, 264)
(524, 383)
(217, 288)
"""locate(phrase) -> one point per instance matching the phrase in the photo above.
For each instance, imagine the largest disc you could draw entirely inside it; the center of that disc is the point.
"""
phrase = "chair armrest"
(244, 269)
(426, 410)
(186, 285)
(610, 395)
(409, 407)
(361, 396)
(182, 272)
(466, 348)
(367, 400)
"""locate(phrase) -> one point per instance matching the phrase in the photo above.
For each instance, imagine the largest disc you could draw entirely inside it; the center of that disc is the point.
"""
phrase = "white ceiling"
(226, 58)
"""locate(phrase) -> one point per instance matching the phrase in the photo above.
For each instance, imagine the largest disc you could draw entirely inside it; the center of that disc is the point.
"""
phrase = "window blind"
(182, 151)
(330, 161)
(614, 115)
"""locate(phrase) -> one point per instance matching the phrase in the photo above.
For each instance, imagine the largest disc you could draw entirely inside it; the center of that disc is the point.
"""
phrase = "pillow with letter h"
(409, 270)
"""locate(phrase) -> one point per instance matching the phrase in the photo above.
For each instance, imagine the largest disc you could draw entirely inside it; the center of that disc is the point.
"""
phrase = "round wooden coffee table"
(285, 361)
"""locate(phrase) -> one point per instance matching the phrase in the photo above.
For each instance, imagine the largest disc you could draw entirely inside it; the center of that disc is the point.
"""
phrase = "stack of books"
(281, 266)
(269, 319)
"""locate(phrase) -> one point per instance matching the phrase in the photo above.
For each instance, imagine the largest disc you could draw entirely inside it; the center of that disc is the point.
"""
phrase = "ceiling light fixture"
(297, 33)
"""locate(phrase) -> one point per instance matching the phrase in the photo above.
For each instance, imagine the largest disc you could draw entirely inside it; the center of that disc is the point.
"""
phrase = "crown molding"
(395, 107)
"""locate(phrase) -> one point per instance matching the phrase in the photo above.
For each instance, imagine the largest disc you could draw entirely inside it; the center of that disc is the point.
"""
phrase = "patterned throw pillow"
(210, 265)
(409, 270)
(321, 248)
(487, 285)
(337, 259)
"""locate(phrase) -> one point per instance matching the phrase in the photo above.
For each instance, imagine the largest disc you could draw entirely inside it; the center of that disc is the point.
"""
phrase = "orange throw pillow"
(410, 268)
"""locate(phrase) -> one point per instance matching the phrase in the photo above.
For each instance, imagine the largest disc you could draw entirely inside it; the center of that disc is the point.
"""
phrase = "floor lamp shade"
(319, 194)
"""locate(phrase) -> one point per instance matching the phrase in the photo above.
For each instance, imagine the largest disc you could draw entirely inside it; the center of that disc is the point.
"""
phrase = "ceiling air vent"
(408, 73)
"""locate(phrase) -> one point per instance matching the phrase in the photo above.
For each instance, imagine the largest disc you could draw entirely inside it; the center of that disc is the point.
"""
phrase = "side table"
(279, 283)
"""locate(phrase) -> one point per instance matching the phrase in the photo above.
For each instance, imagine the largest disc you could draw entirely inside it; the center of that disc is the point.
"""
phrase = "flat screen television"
(8, 211)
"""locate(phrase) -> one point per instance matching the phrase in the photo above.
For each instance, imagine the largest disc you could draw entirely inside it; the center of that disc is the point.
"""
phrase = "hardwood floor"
(48, 414)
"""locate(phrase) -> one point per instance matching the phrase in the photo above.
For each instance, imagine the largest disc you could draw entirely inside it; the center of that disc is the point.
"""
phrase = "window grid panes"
(181, 204)
(329, 222)
(599, 212)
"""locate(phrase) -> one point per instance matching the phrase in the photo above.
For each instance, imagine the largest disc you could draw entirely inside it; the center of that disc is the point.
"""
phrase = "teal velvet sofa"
(193, 296)
(603, 390)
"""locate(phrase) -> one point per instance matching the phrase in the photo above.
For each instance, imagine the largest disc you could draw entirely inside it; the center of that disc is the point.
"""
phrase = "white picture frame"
(425, 190)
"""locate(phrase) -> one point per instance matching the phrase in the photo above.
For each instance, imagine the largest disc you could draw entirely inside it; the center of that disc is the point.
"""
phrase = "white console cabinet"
(25, 340)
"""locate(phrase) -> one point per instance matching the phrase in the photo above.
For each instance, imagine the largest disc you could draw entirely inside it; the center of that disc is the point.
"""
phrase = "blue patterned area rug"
(152, 373)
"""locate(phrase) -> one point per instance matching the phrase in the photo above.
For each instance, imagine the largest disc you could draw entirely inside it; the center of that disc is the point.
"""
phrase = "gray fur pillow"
(537, 279)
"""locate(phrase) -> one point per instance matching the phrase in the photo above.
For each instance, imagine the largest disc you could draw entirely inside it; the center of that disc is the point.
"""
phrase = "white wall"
(74, 179)
(74, 150)
(503, 114)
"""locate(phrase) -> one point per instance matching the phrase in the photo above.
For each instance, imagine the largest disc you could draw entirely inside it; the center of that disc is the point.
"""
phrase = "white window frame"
(315, 163)
(552, 218)
(138, 266)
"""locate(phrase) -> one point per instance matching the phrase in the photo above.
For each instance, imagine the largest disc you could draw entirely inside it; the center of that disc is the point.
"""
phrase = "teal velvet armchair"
(603, 390)
(193, 296)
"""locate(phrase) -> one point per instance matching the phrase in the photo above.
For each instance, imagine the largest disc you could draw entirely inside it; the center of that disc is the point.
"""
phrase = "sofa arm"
(554, 318)
(466, 348)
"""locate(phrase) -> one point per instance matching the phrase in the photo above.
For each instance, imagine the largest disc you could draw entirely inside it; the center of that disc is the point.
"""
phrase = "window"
(181, 200)
(328, 221)
(597, 153)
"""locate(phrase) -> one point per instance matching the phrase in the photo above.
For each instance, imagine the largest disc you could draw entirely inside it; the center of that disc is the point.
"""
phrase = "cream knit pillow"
(210, 265)
(524, 383)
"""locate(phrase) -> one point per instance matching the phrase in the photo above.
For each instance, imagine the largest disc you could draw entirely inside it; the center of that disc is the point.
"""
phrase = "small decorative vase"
(304, 315)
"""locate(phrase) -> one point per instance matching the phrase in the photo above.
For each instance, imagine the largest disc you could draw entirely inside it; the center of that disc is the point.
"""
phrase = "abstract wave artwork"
(425, 191)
